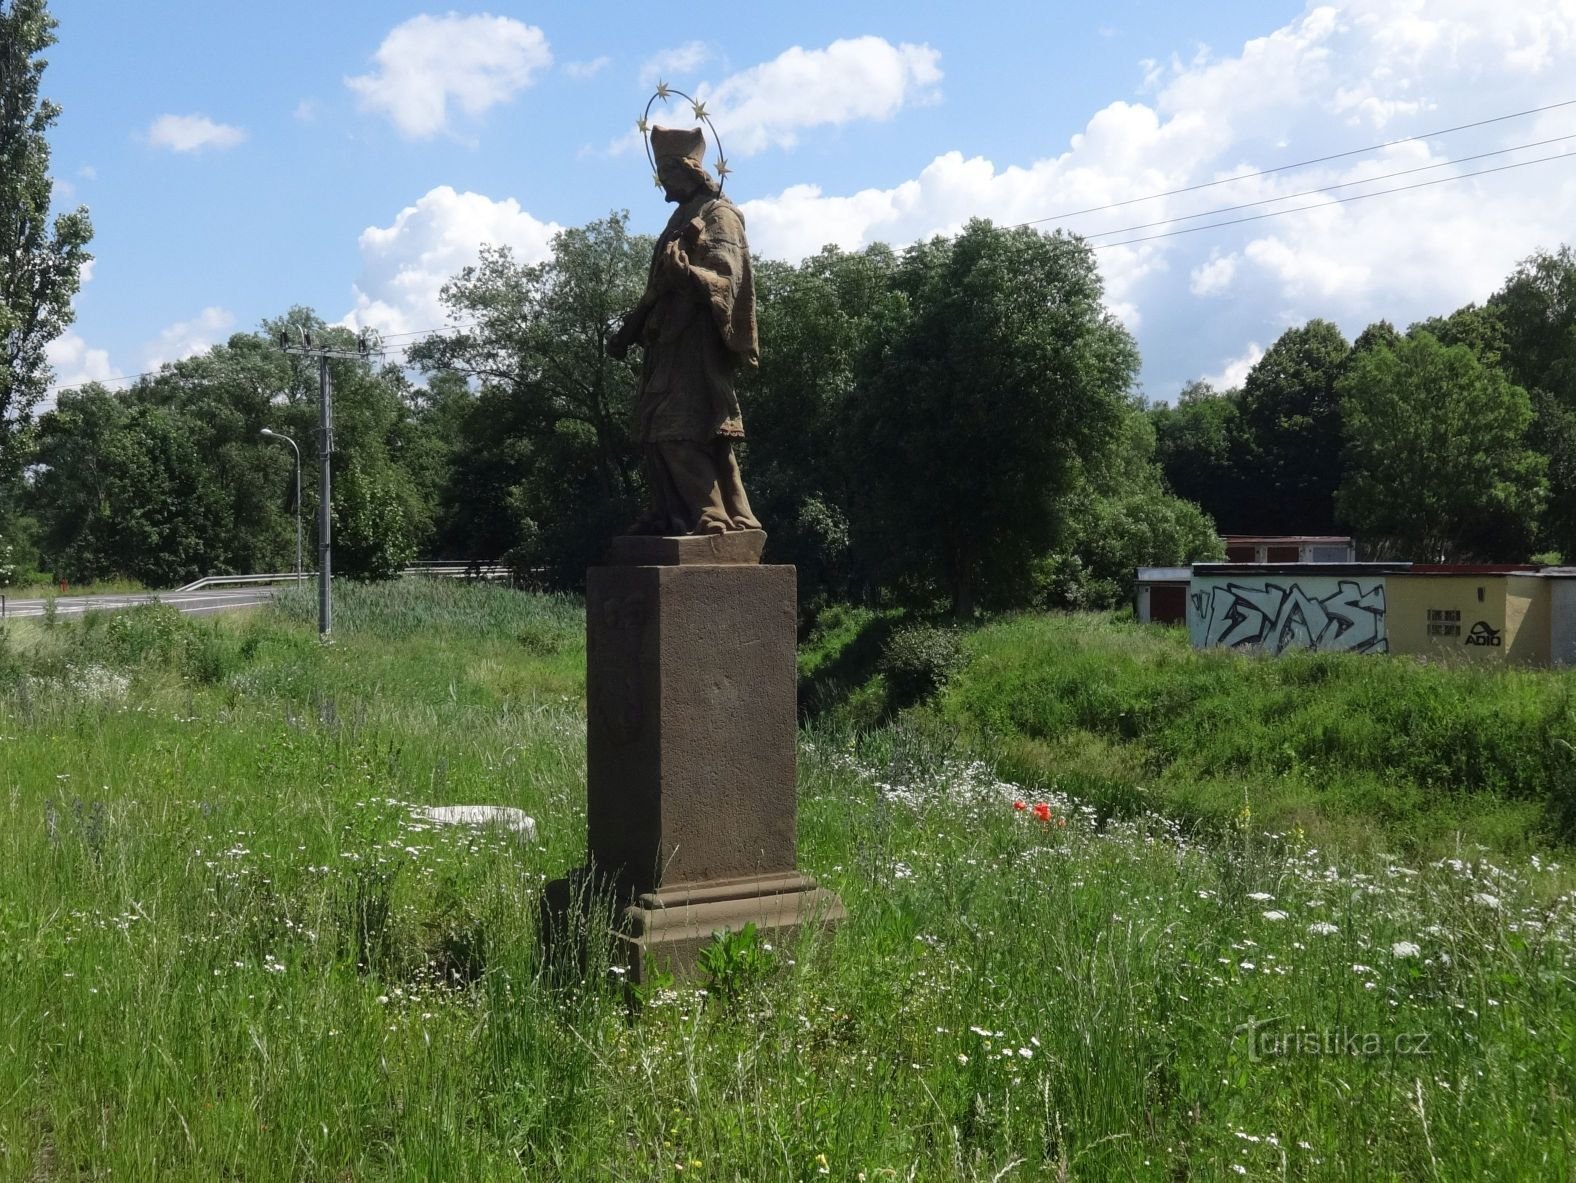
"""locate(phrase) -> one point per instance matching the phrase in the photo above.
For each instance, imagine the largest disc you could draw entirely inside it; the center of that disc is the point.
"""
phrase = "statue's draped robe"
(700, 327)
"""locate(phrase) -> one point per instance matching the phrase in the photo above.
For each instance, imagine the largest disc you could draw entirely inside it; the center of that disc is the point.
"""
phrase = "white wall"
(1562, 621)
(1330, 613)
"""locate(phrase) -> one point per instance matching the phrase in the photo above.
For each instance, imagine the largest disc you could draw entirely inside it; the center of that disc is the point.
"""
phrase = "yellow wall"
(1410, 598)
(1527, 619)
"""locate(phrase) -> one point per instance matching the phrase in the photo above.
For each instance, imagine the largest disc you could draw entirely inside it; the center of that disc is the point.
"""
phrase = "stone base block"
(664, 930)
(683, 550)
(691, 722)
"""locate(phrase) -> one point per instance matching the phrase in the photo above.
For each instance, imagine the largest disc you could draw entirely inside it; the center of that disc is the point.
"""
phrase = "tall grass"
(1413, 752)
(230, 949)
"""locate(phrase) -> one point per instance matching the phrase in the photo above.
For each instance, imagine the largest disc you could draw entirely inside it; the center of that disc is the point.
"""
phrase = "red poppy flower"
(1019, 805)
(1042, 811)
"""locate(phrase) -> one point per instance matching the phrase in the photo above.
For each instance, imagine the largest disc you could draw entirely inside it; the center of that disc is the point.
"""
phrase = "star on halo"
(700, 110)
(663, 91)
(722, 167)
(642, 125)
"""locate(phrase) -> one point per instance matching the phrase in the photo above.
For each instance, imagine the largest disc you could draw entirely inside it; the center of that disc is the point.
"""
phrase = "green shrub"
(918, 660)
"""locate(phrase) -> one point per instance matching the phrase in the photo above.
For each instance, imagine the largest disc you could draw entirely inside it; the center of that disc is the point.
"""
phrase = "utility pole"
(325, 451)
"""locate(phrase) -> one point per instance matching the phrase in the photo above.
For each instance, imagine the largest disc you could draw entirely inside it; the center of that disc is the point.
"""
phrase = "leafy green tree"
(130, 492)
(1118, 518)
(1379, 335)
(822, 324)
(1535, 313)
(1292, 423)
(1005, 379)
(1438, 464)
(172, 480)
(1200, 447)
(554, 446)
(1479, 328)
(40, 263)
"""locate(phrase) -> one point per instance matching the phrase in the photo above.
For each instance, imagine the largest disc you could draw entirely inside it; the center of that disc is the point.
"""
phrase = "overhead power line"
(1100, 246)
(1405, 172)
(1264, 172)
(422, 335)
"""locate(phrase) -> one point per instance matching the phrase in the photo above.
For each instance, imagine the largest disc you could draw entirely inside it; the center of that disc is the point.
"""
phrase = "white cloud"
(307, 110)
(1234, 372)
(863, 78)
(88, 173)
(580, 71)
(429, 62)
(187, 338)
(1333, 78)
(75, 363)
(668, 64)
(1213, 277)
(192, 133)
(405, 263)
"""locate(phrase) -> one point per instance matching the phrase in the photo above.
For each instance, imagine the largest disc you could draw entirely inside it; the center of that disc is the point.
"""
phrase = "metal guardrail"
(432, 569)
(443, 570)
(220, 580)
(436, 569)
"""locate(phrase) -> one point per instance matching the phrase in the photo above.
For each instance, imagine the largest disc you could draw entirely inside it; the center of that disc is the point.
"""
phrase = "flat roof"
(1273, 538)
(1168, 574)
(1475, 568)
(1306, 570)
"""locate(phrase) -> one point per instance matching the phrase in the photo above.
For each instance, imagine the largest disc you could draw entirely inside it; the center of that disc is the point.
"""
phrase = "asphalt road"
(188, 603)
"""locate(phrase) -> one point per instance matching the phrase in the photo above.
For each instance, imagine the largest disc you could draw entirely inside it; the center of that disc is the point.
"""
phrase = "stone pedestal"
(690, 744)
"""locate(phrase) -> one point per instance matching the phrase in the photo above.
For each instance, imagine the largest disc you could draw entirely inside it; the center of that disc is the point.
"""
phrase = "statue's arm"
(717, 259)
(628, 332)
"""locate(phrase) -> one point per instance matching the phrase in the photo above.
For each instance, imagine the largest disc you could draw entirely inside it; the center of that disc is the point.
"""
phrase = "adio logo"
(1481, 634)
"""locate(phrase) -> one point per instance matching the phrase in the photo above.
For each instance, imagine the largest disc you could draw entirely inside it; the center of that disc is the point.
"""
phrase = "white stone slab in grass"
(503, 816)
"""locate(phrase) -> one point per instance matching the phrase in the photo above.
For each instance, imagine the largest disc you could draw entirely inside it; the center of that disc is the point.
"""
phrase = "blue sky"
(238, 160)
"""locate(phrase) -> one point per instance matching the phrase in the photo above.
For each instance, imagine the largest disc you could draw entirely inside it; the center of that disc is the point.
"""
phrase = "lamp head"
(268, 431)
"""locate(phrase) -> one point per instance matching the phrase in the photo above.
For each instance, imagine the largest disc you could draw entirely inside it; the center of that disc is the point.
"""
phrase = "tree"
(171, 480)
(1379, 335)
(1535, 313)
(1479, 328)
(559, 408)
(1200, 447)
(40, 264)
(1121, 517)
(1006, 378)
(822, 324)
(128, 492)
(1438, 465)
(1292, 422)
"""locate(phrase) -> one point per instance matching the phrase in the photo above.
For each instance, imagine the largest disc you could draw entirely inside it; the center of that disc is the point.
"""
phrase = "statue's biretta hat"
(686, 143)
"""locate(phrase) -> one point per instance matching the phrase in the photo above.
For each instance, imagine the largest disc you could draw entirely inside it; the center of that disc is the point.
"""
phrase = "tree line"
(1455, 440)
(955, 425)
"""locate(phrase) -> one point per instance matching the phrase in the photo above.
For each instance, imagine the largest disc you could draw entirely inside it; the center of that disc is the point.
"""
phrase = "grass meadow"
(230, 949)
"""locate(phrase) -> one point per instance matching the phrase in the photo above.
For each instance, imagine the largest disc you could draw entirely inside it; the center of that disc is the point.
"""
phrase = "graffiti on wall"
(1331, 615)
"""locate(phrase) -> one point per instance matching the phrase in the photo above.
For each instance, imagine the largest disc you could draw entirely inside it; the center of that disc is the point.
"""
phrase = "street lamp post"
(274, 435)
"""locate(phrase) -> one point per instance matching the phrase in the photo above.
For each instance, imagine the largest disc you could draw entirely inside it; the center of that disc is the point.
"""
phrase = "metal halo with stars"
(664, 92)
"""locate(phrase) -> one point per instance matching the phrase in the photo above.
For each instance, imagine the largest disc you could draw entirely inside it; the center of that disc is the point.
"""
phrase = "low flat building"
(1161, 594)
(1272, 607)
(1290, 548)
(1513, 613)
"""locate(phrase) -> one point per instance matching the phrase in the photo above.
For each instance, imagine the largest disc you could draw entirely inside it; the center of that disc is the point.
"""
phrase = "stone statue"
(695, 325)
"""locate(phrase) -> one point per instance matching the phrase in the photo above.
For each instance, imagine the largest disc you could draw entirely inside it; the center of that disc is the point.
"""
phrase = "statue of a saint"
(695, 325)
